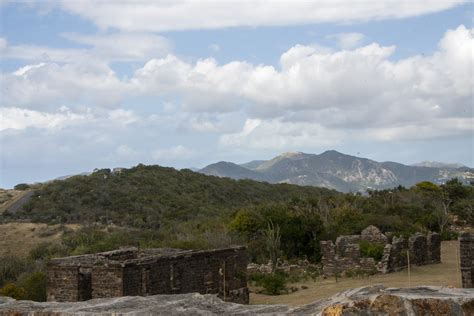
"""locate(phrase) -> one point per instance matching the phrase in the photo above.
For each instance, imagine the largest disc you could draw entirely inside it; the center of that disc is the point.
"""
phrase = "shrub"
(274, 284)
(11, 267)
(256, 277)
(21, 186)
(13, 291)
(371, 250)
(34, 285)
(46, 250)
(449, 235)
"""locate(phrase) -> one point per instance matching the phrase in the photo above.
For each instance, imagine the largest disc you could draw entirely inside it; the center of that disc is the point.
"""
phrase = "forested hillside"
(149, 196)
(152, 206)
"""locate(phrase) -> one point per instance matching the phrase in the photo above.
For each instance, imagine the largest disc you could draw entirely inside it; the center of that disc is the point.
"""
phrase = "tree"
(21, 187)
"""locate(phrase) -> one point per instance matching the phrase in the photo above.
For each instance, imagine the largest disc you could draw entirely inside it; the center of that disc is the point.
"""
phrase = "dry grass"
(445, 274)
(19, 238)
(7, 197)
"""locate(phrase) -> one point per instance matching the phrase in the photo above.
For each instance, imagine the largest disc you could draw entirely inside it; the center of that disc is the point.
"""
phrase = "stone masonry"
(466, 247)
(132, 272)
(344, 255)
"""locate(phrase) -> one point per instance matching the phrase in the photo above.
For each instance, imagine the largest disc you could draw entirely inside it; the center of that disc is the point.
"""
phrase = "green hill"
(149, 196)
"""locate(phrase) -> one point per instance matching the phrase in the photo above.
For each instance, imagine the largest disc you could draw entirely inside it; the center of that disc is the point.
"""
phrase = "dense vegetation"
(151, 196)
(150, 206)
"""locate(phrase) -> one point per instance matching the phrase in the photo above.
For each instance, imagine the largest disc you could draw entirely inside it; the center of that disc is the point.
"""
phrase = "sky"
(100, 84)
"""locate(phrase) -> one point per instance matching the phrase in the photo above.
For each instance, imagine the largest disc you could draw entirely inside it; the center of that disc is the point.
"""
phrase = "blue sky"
(87, 84)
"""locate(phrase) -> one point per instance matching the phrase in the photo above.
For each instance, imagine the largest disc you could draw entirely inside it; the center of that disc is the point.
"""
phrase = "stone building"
(130, 272)
(466, 245)
(344, 255)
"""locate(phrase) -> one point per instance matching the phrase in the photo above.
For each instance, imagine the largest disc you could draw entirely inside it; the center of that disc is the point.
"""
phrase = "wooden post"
(409, 272)
(224, 282)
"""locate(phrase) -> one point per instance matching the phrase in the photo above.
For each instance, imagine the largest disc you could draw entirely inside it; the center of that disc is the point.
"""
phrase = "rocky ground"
(372, 300)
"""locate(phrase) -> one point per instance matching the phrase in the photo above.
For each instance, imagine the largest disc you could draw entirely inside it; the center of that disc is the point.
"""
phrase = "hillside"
(149, 196)
(338, 171)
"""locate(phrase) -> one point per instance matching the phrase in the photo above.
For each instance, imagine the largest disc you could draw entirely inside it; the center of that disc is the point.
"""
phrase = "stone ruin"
(133, 272)
(345, 256)
(466, 251)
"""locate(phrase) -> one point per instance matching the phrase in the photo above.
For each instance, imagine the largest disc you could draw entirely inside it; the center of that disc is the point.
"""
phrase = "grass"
(7, 197)
(443, 274)
(18, 239)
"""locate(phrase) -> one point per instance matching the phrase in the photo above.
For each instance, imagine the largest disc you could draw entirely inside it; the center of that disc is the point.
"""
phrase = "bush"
(21, 186)
(46, 250)
(449, 235)
(13, 291)
(35, 286)
(371, 250)
(274, 284)
(11, 267)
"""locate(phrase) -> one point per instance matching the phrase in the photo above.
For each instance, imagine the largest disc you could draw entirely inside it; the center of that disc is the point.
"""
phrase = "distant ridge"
(335, 170)
(437, 164)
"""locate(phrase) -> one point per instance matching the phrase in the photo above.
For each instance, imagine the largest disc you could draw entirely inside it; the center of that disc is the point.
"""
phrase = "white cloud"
(122, 116)
(123, 46)
(276, 134)
(103, 48)
(348, 40)
(192, 14)
(435, 128)
(315, 93)
(173, 153)
(50, 85)
(125, 152)
(17, 118)
(351, 89)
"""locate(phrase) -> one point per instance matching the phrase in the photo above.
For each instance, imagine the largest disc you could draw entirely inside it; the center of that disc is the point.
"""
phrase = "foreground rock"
(372, 300)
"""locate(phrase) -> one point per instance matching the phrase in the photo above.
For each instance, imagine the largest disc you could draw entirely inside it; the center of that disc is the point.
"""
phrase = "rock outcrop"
(372, 300)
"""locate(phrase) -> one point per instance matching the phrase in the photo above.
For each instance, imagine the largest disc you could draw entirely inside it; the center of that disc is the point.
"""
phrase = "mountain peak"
(291, 154)
(336, 170)
(332, 152)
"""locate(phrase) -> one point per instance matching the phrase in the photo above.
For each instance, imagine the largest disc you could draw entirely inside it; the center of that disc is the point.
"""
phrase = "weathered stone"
(342, 242)
(129, 272)
(370, 301)
(418, 249)
(374, 235)
(466, 252)
(434, 247)
(345, 255)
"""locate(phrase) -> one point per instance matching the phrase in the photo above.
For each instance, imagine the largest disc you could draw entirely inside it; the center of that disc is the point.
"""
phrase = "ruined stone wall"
(107, 281)
(63, 283)
(344, 256)
(418, 249)
(346, 260)
(221, 271)
(395, 256)
(466, 247)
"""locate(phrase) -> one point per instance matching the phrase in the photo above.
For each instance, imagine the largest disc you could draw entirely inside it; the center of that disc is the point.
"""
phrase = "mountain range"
(338, 171)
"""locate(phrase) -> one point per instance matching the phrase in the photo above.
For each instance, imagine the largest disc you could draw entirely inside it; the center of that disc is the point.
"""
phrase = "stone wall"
(68, 279)
(131, 272)
(345, 256)
(466, 250)
(395, 256)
